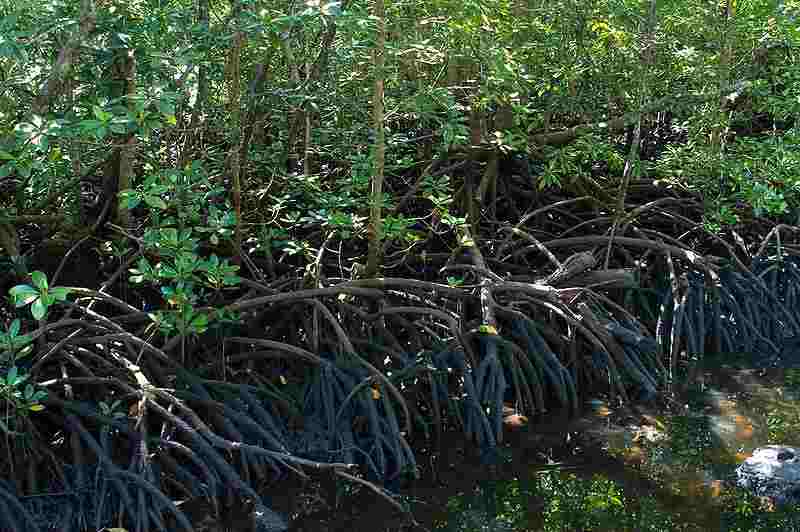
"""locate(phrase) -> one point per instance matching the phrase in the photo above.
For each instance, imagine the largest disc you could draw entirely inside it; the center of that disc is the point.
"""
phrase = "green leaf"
(13, 330)
(166, 107)
(39, 280)
(156, 202)
(27, 350)
(170, 234)
(23, 294)
(11, 376)
(101, 115)
(90, 125)
(200, 322)
(28, 392)
(131, 202)
(60, 293)
(38, 309)
(19, 341)
(4, 155)
(167, 272)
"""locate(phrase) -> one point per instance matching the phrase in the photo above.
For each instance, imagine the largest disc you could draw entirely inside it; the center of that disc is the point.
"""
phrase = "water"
(613, 468)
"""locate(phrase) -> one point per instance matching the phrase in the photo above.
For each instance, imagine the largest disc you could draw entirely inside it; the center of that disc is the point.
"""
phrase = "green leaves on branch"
(181, 198)
(145, 116)
(219, 273)
(40, 296)
(14, 392)
(188, 268)
(178, 202)
(170, 242)
(179, 274)
(14, 345)
(20, 397)
(183, 321)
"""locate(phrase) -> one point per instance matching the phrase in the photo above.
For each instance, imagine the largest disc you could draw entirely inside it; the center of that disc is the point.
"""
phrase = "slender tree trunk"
(376, 194)
(252, 117)
(128, 148)
(648, 55)
(193, 136)
(262, 131)
(723, 74)
(233, 77)
(74, 149)
(303, 117)
(54, 85)
(307, 164)
(295, 113)
(118, 166)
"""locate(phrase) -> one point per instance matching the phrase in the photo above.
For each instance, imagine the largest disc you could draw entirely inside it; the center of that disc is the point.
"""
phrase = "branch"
(68, 54)
(615, 125)
(33, 219)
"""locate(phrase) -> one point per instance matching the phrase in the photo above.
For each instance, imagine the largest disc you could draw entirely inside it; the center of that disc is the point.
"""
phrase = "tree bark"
(723, 73)
(193, 135)
(67, 56)
(118, 168)
(376, 193)
(233, 78)
(128, 148)
(648, 54)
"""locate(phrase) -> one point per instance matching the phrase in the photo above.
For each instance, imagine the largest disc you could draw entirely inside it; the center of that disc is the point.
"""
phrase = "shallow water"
(665, 467)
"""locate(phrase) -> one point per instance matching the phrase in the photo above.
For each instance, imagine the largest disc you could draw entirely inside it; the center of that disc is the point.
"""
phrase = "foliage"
(223, 153)
(597, 504)
(743, 512)
(39, 296)
(177, 222)
(14, 345)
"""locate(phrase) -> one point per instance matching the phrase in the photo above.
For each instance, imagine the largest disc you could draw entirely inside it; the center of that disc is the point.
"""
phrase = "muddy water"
(678, 453)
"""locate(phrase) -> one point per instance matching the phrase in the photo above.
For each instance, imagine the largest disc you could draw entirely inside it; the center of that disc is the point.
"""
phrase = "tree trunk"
(119, 165)
(193, 135)
(648, 55)
(128, 148)
(233, 78)
(376, 193)
(67, 56)
(723, 74)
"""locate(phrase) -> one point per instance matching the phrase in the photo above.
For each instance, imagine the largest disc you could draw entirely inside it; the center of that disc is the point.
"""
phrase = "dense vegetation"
(242, 239)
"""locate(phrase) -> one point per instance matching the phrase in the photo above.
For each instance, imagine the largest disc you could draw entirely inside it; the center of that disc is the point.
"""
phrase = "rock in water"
(772, 471)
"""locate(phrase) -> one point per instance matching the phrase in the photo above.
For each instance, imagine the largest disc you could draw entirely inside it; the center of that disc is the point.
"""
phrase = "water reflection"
(615, 468)
(634, 470)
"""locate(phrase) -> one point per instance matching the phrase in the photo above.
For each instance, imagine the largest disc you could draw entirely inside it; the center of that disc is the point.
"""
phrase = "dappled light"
(367, 265)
